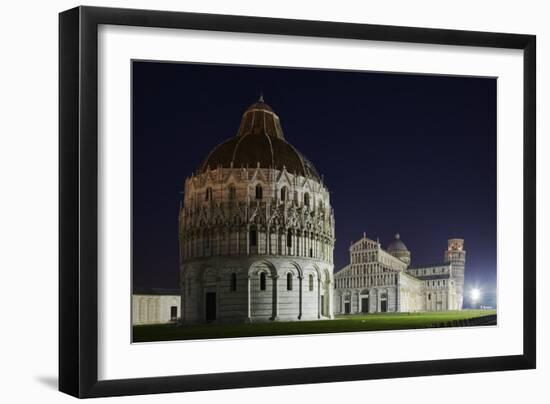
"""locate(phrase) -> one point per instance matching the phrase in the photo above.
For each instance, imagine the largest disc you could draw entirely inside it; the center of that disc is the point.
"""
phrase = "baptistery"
(256, 230)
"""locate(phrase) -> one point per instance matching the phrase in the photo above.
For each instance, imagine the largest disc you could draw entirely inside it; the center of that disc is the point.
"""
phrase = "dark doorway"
(365, 305)
(347, 307)
(210, 306)
(384, 306)
(173, 313)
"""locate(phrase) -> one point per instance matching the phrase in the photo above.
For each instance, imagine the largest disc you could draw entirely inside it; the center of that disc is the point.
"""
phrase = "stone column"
(397, 294)
(300, 299)
(330, 301)
(218, 312)
(183, 304)
(267, 239)
(248, 302)
(319, 297)
(317, 247)
(248, 239)
(275, 281)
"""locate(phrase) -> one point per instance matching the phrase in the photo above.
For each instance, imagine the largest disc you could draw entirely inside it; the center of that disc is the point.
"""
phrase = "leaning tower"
(456, 256)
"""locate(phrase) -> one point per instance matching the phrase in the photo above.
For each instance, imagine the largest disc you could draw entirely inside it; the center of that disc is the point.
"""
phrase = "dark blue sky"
(413, 154)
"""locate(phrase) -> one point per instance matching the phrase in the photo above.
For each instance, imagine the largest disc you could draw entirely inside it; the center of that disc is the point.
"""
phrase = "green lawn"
(349, 323)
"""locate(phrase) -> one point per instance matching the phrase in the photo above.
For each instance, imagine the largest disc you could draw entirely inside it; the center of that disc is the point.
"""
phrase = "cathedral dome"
(259, 141)
(397, 245)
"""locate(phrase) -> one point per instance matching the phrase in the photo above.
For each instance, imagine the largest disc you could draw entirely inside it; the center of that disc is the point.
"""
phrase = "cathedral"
(256, 231)
(381, 280)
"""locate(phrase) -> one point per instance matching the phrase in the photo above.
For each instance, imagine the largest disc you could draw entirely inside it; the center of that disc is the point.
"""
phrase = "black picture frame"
(78, 201)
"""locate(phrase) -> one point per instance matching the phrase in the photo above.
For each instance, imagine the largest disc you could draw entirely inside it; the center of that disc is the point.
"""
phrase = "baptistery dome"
(259, 142)
(256, 230)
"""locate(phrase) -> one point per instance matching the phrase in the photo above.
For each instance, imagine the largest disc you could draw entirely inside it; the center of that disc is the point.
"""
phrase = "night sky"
(413, 154)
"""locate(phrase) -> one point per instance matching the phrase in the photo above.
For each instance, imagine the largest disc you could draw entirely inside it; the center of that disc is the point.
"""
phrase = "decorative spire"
(397, 236)
(261, 99)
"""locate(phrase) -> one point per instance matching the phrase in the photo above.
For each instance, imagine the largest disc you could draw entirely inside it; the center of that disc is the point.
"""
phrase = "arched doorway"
(364, 297)
(210, 306)
(384, 302)
(347, 304)
(210, 302)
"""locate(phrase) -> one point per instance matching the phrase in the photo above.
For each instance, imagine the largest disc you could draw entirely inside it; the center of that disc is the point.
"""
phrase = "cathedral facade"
(256, 231)
(379, 280)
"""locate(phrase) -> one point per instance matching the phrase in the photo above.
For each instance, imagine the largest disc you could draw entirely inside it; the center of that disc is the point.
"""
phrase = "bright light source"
(475, 294)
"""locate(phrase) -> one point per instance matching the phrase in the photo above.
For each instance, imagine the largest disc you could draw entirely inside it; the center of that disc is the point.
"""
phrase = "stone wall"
(237, 223)
(411, 294)
(297, 289)
(154, 309)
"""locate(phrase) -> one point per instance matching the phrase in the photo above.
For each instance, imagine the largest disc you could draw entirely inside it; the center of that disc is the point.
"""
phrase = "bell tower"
(456, 256)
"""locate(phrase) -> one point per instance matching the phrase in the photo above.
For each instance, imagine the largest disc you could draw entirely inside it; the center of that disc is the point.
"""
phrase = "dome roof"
(397, 245)
(259, 141)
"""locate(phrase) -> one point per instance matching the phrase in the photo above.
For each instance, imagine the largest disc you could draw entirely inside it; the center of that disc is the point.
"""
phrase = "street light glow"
(475, 294)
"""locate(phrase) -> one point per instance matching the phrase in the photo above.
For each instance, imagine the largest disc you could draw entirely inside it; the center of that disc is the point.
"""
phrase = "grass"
(349, 323)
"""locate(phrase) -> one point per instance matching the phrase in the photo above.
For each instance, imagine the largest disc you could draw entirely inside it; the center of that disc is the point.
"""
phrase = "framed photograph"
(251, 201)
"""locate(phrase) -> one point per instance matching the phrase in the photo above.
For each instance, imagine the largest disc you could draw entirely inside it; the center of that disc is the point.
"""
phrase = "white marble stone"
(155, 308)
(390, 285)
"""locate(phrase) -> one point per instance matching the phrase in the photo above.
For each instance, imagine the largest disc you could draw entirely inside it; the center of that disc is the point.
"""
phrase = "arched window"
(259, 192)
(263, 281)
(306, 199)
(296, 196)
(311, 282)
(233, 286)
(253, 237)
(232, 192)
(289, 281)
(206, 239)
(429, 296)
(208, 195)
(310, 252)
(283, 193)
(289, 238)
